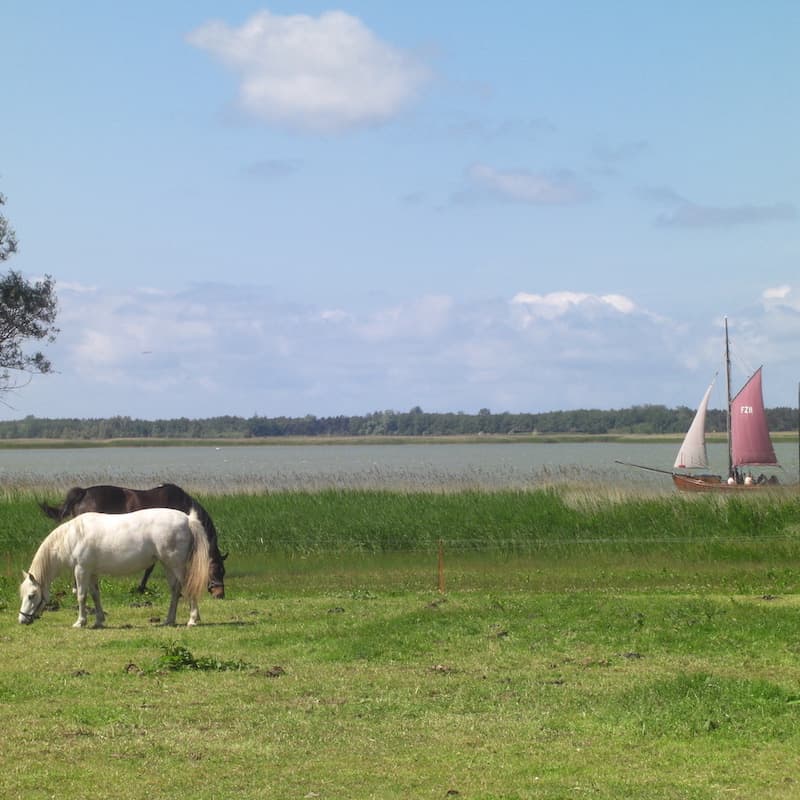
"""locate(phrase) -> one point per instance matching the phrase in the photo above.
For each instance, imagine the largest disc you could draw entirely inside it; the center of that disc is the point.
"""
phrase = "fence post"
(441, 567)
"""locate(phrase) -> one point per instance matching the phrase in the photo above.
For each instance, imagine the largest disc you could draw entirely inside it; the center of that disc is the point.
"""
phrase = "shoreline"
(271, 441)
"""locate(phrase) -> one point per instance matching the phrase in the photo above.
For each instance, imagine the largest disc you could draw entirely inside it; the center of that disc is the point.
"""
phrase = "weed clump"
(176, 657)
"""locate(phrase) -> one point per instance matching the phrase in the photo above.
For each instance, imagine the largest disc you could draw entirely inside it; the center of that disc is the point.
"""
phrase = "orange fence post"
(441, 567)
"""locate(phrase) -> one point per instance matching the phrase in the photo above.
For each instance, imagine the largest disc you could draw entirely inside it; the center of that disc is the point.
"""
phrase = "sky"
(292, 208)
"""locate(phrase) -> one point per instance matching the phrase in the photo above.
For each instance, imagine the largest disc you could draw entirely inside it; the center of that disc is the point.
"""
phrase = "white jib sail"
(692, 454)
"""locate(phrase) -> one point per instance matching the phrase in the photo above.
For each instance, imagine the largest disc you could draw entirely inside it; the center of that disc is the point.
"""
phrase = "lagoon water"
(404, 466)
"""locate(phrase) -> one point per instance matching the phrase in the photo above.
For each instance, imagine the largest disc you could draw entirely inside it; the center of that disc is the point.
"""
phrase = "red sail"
(750, 442)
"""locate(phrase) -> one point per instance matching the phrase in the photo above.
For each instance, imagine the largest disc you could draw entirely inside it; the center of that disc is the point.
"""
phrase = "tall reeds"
(564, 520)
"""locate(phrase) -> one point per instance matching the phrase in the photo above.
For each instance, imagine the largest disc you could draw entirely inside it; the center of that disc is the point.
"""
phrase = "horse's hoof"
(79, 624)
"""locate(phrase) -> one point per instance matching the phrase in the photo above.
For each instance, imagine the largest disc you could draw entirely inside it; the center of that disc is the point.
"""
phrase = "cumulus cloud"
(422, 318)
(120, 337)
(325, 73)
(556, 304)
(560, 187)
(216, 349)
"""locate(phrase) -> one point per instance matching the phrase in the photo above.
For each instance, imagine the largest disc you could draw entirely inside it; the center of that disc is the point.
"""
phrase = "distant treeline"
(642, 420)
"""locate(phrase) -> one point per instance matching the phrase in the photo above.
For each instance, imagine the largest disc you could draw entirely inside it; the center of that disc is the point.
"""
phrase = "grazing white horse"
(94, 544)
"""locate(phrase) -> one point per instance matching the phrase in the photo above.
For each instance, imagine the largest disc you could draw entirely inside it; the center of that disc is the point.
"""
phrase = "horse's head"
(33, 597)
(216, 577)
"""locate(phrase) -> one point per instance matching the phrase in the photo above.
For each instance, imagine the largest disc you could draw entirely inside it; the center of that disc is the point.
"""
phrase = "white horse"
(94, 544)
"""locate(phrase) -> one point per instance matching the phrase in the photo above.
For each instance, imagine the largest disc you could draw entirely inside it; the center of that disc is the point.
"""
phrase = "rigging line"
(743, 366)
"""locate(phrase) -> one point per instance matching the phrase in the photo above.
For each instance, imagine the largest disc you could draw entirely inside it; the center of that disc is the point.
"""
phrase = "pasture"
(588, 644)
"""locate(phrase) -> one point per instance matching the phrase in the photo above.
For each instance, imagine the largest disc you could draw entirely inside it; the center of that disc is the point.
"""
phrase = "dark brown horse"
(119, 500)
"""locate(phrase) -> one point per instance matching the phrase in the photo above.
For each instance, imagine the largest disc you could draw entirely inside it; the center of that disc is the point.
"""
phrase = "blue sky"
(314, 208)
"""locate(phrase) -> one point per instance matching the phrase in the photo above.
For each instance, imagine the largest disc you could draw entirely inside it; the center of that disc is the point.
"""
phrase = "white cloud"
(560, 187)
(323, 73)
(553, 188)
(621, 303)
(420, 319)
(215, 349)
(335, 315)
(96, 348)
(556, 304)
(777, 293)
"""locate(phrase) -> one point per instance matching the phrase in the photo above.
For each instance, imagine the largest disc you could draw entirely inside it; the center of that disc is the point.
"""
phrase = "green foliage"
(8, 240)
(639, 420)
(27, 313)
(177, 657)
(555, 522)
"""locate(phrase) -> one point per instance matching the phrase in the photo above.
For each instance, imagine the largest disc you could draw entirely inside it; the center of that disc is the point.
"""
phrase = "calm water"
(371, 466)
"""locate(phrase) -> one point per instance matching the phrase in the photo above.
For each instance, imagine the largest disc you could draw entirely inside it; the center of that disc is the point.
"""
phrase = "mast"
(728, 385)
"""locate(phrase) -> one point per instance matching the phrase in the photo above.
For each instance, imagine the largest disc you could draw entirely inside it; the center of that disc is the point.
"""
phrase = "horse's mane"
(205, 519)
(49, 555)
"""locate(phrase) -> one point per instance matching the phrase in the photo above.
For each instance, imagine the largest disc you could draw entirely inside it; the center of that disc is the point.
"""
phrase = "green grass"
(510, 521)
(586, 646)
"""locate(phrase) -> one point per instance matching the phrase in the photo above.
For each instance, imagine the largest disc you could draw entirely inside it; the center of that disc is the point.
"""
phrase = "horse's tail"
(51, 511)
(197, 568)
(74, 496)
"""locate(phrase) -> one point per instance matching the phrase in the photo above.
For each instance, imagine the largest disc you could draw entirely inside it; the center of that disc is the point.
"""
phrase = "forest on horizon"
(641, 420)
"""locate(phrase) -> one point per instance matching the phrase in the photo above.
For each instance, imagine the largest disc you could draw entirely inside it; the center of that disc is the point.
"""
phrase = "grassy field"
(587, 644)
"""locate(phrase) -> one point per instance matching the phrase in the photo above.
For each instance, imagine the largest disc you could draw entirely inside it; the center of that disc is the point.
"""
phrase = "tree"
(27, 312)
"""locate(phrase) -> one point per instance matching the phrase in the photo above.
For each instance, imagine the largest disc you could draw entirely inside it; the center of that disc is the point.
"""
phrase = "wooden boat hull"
(714, 483)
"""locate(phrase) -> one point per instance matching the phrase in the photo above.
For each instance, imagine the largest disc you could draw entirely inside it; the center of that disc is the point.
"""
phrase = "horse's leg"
(179, 578)
(99, 614)
(175, 586)
(194, 612)
(143, 583)
(80, 590)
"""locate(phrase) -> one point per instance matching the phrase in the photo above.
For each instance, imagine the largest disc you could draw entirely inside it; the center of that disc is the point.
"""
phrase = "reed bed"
(424, 478)
(500, 521)
(570, 525)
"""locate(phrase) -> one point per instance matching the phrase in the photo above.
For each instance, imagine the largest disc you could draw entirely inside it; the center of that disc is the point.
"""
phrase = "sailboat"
(749, 442)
